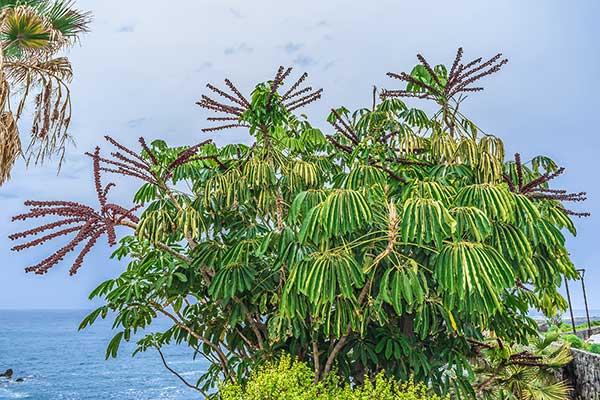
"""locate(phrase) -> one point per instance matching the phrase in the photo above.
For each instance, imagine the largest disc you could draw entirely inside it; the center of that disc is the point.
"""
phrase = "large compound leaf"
(472, 277)
(324, 275)
(472, 223)
(495, 200)
(511, 242)
(425, 221)
(344, 211)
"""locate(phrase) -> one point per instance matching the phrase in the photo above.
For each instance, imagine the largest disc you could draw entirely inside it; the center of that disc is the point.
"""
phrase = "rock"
(20, 380)
(7, 374)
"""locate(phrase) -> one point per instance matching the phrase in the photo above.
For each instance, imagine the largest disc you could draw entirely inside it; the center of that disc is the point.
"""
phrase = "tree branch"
(216, 348)
(181, 378)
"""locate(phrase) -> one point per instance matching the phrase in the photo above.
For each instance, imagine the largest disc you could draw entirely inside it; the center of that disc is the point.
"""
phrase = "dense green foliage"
(578, 343)
(564, 327)
(292, 380)
(400, 242)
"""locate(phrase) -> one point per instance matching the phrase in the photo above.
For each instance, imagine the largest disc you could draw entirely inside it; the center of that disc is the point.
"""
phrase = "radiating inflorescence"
(234, 104)
(87, 224)
(127, 162)
(535, 188)
(459, 79)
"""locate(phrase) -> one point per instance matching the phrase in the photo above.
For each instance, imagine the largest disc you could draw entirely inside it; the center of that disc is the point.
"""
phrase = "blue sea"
(59, 362)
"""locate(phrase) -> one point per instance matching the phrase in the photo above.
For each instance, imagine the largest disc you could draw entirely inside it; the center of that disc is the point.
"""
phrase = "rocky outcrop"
(7, 374)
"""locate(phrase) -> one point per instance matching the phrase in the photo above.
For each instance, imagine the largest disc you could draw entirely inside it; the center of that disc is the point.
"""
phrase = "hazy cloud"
(203, 66)
(304, 61)
(236, 13)
(133, 123)
(126, 28)
(328, 65)
(291, 47)
(242, 48)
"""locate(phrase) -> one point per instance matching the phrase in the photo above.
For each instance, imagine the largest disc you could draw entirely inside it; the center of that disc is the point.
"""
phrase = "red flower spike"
(458, 80)
(535, 191)
(129, 163)
(91, 224)
(235, 104)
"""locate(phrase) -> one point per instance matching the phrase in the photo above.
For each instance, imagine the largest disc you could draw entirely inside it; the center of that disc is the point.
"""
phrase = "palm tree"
(522, 372)
(33, 33)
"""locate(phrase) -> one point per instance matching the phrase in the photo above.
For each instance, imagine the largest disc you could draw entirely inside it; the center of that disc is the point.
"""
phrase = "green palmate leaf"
(541, 162)
(471, 223)
(443, 147)
(495, 200)
(311, 228)
(431, 190)
(402, 288)
(425, 221)
(259, 173)
(560, 219)
(525, 209)
(224, 186)
(542, 232)
(303, 175)
(191, 222)
(415, 117)
(66, 20)
(322, 276)
(24, 29)
(409, 142)
(511, 242)
(489, 168)
(157, 224)
(363, 176)
(473, 276)
(208, 253)
(337, 316)
(113, 346)
(231, 281)
(344, 211)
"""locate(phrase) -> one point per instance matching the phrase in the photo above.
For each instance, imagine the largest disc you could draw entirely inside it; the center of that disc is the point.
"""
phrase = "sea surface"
(59, 362)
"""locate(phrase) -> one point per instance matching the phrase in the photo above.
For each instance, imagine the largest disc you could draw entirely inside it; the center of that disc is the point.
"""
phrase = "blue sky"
(140, 70)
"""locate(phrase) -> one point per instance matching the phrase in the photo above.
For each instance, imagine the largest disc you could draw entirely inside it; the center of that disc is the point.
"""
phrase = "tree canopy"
(393, 241)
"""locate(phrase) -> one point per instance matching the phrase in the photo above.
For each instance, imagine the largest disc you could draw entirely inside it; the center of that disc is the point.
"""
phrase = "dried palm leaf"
(10, 145)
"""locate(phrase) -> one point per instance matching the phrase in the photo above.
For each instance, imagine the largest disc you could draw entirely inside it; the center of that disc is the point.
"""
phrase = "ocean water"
(58, 362)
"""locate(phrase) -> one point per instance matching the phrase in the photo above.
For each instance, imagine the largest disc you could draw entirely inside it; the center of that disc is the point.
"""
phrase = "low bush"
(594, 348)
(293, 380)
(575, 341)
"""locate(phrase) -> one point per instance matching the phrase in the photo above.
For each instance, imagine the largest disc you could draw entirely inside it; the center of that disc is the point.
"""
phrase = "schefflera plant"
(398, 242)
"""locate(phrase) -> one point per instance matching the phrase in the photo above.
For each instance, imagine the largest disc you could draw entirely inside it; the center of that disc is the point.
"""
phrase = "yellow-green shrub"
(293, 380)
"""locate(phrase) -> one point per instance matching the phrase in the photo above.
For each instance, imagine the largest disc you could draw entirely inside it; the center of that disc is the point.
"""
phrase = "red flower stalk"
(536, 191)
(129, 163)
(235, 104)
(279, 77)
(91, 224)
(458, 79)
(344, 127)
(290, 93)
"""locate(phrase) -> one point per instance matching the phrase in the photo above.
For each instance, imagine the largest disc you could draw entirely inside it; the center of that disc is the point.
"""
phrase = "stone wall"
(585, 334)
(583, 374)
